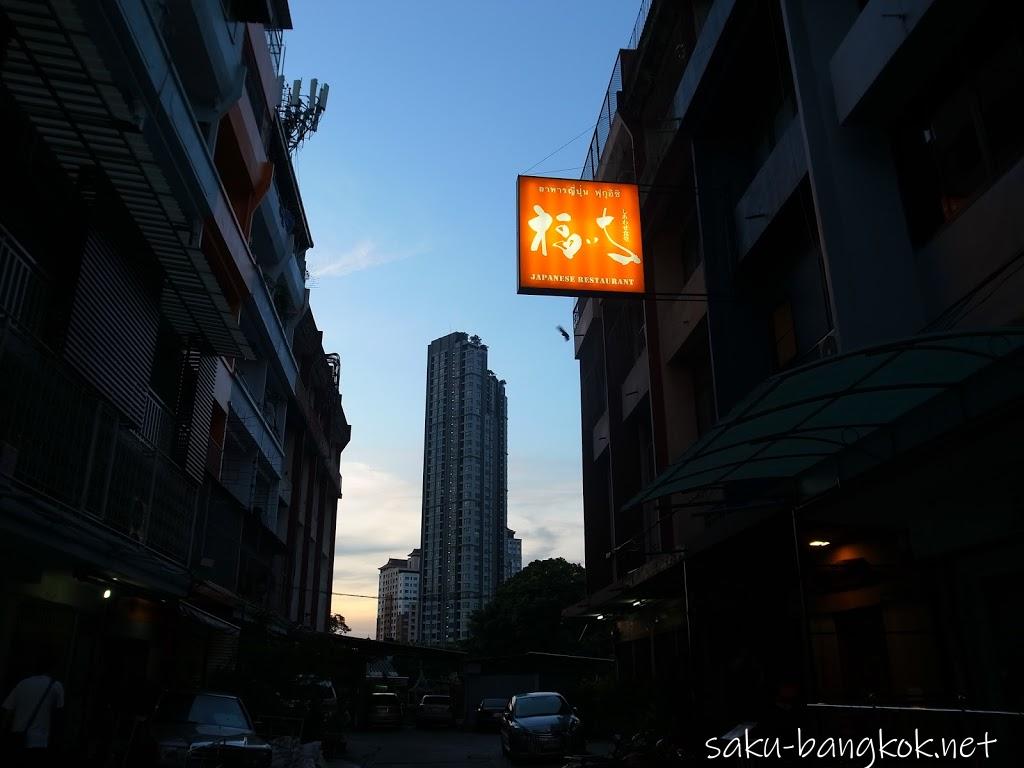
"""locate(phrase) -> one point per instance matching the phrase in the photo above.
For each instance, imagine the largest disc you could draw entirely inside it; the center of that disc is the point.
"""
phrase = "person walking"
(30, 712)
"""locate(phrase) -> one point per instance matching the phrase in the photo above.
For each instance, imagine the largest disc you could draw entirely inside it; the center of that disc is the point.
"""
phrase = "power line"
(570, 141)
(561, 170)
(310, 590)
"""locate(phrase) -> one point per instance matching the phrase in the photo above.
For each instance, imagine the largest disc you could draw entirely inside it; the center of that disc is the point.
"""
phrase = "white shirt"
(22, 702)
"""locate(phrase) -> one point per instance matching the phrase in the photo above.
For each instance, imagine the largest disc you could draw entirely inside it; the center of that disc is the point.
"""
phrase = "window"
(965, 129)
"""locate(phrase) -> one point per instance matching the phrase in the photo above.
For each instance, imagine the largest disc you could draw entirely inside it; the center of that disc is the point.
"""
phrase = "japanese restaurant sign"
(579, 237)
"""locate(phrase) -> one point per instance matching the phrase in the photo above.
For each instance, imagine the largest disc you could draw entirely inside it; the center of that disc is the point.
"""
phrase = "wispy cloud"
(378, 518)
(545, 508)
(366, 254)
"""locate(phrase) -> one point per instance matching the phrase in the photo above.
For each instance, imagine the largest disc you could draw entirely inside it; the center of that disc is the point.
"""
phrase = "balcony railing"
(641, 23)
(23, 286)
(577, 311)
(605, 117)
(158, 426)
(610, 105)
(75, 449)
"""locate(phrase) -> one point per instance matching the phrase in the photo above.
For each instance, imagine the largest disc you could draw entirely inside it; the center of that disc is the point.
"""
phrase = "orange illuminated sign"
(579, 237)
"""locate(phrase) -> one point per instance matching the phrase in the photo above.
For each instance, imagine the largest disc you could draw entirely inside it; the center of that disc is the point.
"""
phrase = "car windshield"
(445, 700)
(536, 706)
(203, 709)
(494, 703)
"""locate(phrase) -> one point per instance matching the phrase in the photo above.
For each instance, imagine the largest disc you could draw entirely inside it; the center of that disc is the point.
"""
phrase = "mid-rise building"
(463, 526)
(513, 554)
(801, 447)
(170, 425)
(398, 598)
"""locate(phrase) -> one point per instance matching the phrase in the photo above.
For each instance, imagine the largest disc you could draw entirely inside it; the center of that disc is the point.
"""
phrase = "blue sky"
(409, 188)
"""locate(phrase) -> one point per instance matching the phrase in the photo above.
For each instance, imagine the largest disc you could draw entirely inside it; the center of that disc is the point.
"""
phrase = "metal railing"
(640, 25)
(73, 448)
(158, 426)
(610, 105)
(23, 285)
(605, 117)
(577, 311)
(275, 45)
(316, 427)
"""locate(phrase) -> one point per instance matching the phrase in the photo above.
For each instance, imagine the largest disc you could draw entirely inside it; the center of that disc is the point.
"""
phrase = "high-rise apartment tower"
(464, 487)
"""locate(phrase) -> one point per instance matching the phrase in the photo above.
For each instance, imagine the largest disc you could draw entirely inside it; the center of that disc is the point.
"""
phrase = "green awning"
(835, 418)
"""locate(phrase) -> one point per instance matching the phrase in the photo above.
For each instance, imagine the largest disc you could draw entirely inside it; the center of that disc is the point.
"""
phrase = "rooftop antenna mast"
(300, 113)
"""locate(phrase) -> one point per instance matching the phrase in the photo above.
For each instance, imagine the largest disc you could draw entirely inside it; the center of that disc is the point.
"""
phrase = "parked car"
(384, 709)
(314, 700)
(540, 724)
(435, 710)
(200, 728)
(488, 713)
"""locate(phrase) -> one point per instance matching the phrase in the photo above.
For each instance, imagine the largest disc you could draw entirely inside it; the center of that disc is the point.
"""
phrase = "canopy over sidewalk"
(813, 427)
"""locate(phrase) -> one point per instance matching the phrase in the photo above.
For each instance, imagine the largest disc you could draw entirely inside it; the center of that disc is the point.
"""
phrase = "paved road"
(437, 748)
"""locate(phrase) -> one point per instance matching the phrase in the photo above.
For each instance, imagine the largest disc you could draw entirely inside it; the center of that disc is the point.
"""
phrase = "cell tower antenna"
(300, 114)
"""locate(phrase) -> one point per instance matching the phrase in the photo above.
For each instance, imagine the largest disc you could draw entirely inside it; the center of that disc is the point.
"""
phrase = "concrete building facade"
(464, 487)
(170, 425)
(831, 219)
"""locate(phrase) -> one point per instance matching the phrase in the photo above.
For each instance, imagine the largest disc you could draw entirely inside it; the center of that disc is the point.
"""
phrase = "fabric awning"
(835, 418)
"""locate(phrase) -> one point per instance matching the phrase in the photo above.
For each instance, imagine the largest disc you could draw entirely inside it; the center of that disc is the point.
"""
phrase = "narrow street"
(439, 748)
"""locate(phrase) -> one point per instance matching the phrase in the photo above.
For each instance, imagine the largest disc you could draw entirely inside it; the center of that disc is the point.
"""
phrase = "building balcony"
(265, 324)
(773, 185)
(871, 47)
(599, 142)
(250, 417)
(23, 285)
(316, 431)
(273, 221)
(606, 119)
(69, 448)
(678, 319)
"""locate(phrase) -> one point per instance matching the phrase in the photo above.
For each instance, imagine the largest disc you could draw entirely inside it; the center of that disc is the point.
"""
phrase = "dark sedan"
(196, 728)
(488, 713)
(540, 724)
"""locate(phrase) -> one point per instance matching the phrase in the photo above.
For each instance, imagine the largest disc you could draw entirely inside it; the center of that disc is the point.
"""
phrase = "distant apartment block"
(398, 599)
(513, 554)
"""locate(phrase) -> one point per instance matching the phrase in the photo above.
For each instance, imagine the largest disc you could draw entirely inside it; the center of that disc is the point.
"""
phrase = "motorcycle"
(642, 749)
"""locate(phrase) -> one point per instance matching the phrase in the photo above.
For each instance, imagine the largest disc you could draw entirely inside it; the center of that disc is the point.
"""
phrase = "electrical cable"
(561, 170)
(570, 141)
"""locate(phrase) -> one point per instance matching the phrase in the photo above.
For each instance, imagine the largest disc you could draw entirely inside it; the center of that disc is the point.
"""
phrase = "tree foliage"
(336, 624)
(526, 614)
